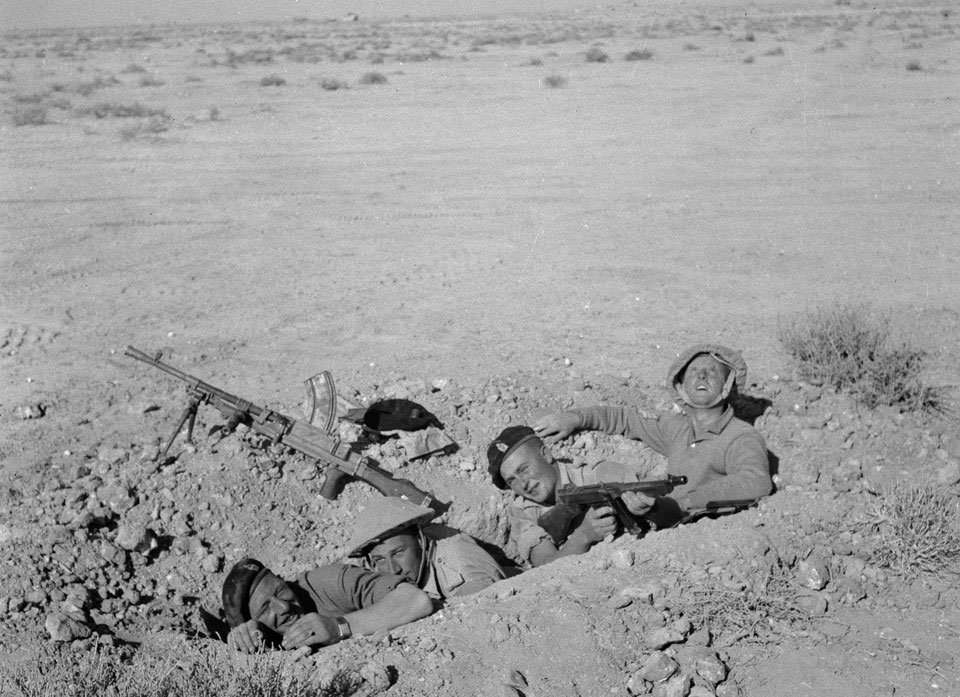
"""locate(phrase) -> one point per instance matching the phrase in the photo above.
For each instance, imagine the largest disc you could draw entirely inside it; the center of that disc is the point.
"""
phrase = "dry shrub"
(30, 115)
(185, 672)
(151, 81)
(29, 97)
(373, 78)
(849, 348)
(554, 81)
(767, 605)
(919, 530)
(597, 55)
(332, 83)
(154, 125)
(272, 80)
(125, 111)
(643, 54)
(914, 66)
(133, 68)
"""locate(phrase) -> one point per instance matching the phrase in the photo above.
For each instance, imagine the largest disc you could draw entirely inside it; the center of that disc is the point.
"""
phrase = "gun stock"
(343, 463)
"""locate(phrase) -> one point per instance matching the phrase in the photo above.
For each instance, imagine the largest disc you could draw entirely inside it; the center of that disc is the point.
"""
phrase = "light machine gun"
(343, 463)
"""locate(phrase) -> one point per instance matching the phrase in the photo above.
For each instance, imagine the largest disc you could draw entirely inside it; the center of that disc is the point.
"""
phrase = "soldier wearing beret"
(318, 608)
(722, 457)
(395, 536)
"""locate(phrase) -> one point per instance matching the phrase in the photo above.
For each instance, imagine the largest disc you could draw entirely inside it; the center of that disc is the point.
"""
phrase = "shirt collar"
(715, 428)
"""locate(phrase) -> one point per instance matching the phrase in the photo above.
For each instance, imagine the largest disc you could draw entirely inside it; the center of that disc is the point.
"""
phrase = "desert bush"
(151, 81)
(778, 51)
(597, 55)
(914, 66)
(332, 83)
(272, 80)
(851, 349)
(124, 111)
(29, 97)
(154, 125)
(253, 55)
(373, 78)
(6, 76)
(753, 610)
(133, 68)
(643, 54)
(185, 672)
(918, 528)
(554, 81)
(690, 46)
(533, 62)
(88, 87)
(30, 115)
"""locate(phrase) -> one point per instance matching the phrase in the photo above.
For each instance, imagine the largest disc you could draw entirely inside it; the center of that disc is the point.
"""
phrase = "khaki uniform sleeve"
(524, 529)
(338, 589)
(620, 421)
(459, 560)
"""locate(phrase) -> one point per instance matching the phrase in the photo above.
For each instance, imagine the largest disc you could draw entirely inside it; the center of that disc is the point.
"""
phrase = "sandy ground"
(532, 246)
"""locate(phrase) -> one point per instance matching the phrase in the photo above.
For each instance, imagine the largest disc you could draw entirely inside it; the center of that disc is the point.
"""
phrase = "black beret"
(236, 590)
(509, 440)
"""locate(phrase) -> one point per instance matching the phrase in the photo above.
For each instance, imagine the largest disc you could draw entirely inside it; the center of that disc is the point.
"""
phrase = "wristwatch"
(343, 627)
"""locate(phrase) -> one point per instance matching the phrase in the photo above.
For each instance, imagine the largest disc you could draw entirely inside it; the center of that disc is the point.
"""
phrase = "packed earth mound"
(498, 219)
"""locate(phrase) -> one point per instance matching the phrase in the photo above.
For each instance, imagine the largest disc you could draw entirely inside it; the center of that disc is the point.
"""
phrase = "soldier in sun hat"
(723, 457)
(318, 608)
(395, 536)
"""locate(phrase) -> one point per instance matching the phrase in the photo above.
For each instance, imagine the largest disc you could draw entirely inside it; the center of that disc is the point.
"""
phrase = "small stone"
(813, 573)
(428, 644)
(728, 689)
(711, 668)
(30, 411)
(677, 686)
(618, 602)
(701, 691)
(647, 592)
(112, 456)
(658, 667)
(63, 628)
(812, 604)
(376, 678)
(949, 474)
(622, 558)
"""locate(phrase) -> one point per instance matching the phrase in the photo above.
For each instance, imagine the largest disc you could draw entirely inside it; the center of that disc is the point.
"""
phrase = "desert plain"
(497, 217)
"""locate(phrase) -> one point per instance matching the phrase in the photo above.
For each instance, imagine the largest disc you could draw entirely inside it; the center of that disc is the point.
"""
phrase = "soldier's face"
(400, 555)
(704, 379)
(273, 604)
(530, 473)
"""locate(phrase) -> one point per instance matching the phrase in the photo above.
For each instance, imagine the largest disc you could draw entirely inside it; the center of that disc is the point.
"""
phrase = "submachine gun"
(572, 500)
(343, 464)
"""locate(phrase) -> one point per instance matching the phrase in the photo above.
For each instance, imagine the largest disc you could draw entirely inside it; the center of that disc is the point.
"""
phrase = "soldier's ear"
(546, 454)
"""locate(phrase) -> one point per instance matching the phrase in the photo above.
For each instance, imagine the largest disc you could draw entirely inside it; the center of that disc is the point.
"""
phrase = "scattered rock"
(63, 628)
(949, 474)
(658, 667)
(30, 411)
(813, 573)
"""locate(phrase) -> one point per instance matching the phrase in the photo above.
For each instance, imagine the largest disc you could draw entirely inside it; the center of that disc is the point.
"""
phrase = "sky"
(36, 14)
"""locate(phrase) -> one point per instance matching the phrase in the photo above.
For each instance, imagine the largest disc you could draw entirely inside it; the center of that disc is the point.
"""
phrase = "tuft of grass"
(533, 62)
(850, 349)
(151, 81)
(554, 81)
(766, 602)
(643, 54)
(272, 80)
(6, 76)
(919, 530)
(690, 46)
(778, 51)
(914, 66)
(597, 55)
(29, 97)
(30, 115)
(332, 83)
(154, 125)
(187, 671)
(124, 111)
(373, 78)
(133, 68)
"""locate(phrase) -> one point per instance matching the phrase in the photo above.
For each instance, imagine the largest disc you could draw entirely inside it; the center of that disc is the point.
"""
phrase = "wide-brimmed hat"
(728, 356)
(383, 518)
